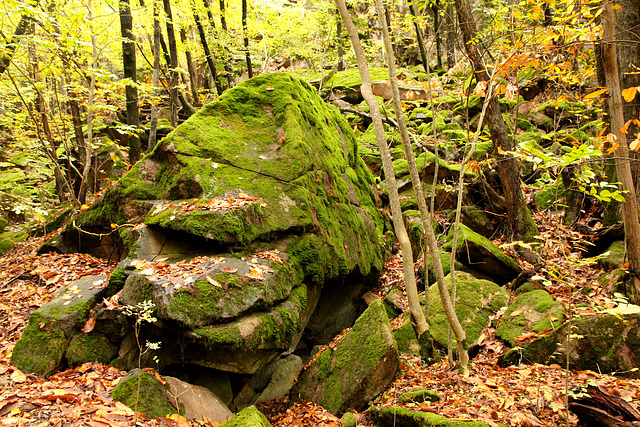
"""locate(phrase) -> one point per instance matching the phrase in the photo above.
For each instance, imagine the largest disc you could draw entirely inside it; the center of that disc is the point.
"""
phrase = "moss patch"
(248, 417)
(90, 347)
(391, 416)
(152, 399)
(534, 311)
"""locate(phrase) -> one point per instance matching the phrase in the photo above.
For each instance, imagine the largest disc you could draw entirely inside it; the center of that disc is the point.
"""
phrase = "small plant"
(141, 312)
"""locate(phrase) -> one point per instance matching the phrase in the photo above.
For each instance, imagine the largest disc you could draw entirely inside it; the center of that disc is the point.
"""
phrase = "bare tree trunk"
(451, 35)
(190, 68)
(421, 46)
(153, 125)
(207, 52)
(522, 225)
(129, 66)
(173, 55)
(339, 43)
(420, 323)
(246, 38)
(437, 30)
(425, 214)
(11, 45)
(225, 49)
(623, 168)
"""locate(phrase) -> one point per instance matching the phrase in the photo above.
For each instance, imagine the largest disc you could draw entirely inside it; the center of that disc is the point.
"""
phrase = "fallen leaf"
(18, 377)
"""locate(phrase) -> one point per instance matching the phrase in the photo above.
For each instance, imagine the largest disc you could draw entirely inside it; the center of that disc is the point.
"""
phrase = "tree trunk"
(417, 315)
(437, 31)
(157, 32)
(246, 38)
(11, 45)
(449, 19)
(129, 66)
(225, 49)
(207, 52)
(173, 55)
(623, 168)
(434, 250)
(421, 47)
(190, 68)
(522, 225)
(339, 43)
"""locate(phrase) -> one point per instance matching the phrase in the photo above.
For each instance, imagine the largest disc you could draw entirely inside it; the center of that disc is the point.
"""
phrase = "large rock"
(602, 343)
(198, 402)
(480, 254)
(41, 349)
(534, 311)
(359, 368)
(477, 300)
(248, 417)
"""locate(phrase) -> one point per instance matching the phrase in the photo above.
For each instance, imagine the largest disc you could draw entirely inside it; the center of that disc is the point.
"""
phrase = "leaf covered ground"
(525, 395)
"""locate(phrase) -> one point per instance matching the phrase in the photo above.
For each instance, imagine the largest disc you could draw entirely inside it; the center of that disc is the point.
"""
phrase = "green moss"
(530, 312)
(334, 376)
(3, 223)
(248, 417)
(90, 347)
(152, 398)
(477, 301)
(391, 416)
(41, 349)
(116, 280)
(348, 420)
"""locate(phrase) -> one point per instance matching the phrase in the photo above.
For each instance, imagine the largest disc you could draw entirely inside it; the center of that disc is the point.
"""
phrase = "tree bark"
(437, 31)
(419, 38)
(425, 214)
(246, 38)
(173, 56)
(522, 225)
(207, 52)
(11, 45)
(190, 68)
(449, 19)
(339, 43)
(157, 32)
(417, 315)
(129, 66)
(623, 167)
(225, 49)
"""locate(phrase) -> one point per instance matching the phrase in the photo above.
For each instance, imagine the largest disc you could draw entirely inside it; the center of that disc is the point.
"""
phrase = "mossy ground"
(248, 417)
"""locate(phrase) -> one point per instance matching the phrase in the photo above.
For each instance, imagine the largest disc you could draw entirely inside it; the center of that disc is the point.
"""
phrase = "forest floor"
(524, 395)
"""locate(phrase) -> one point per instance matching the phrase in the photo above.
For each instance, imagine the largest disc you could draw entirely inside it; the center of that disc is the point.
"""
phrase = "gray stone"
(282, 379)
(198, 401)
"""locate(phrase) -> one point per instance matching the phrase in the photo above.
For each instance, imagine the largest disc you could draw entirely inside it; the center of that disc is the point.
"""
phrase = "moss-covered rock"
(534, 311)
(143, 392)
(615, 256)
(477, 301)
(41, 348)
(391, 416)
(90, 347)
(248, 417)
(480, 254)
(602, 343)
(361, 366)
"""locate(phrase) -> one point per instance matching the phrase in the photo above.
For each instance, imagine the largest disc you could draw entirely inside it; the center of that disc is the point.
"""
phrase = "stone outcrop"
(360, 367)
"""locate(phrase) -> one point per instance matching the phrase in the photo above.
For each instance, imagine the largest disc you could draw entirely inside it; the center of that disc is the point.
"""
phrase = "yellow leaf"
(629, 93)
(596, 93)
(480, 89)
(501, 151)
(213, 281)
(616, 7)
(114, 226)
(410, 94)
(18, 377)
(84, 208)
(635, 144)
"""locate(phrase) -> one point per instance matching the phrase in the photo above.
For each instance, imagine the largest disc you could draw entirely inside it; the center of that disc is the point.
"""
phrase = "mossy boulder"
(602, 343)
(391, 416)
(534, 311)
(615, 256)
(43, 344)
(418, 396)
(143, 392)
(267, 160)
(480, 254)
(359, 368)
(477, 300)
(90, 347)
(248, 417)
